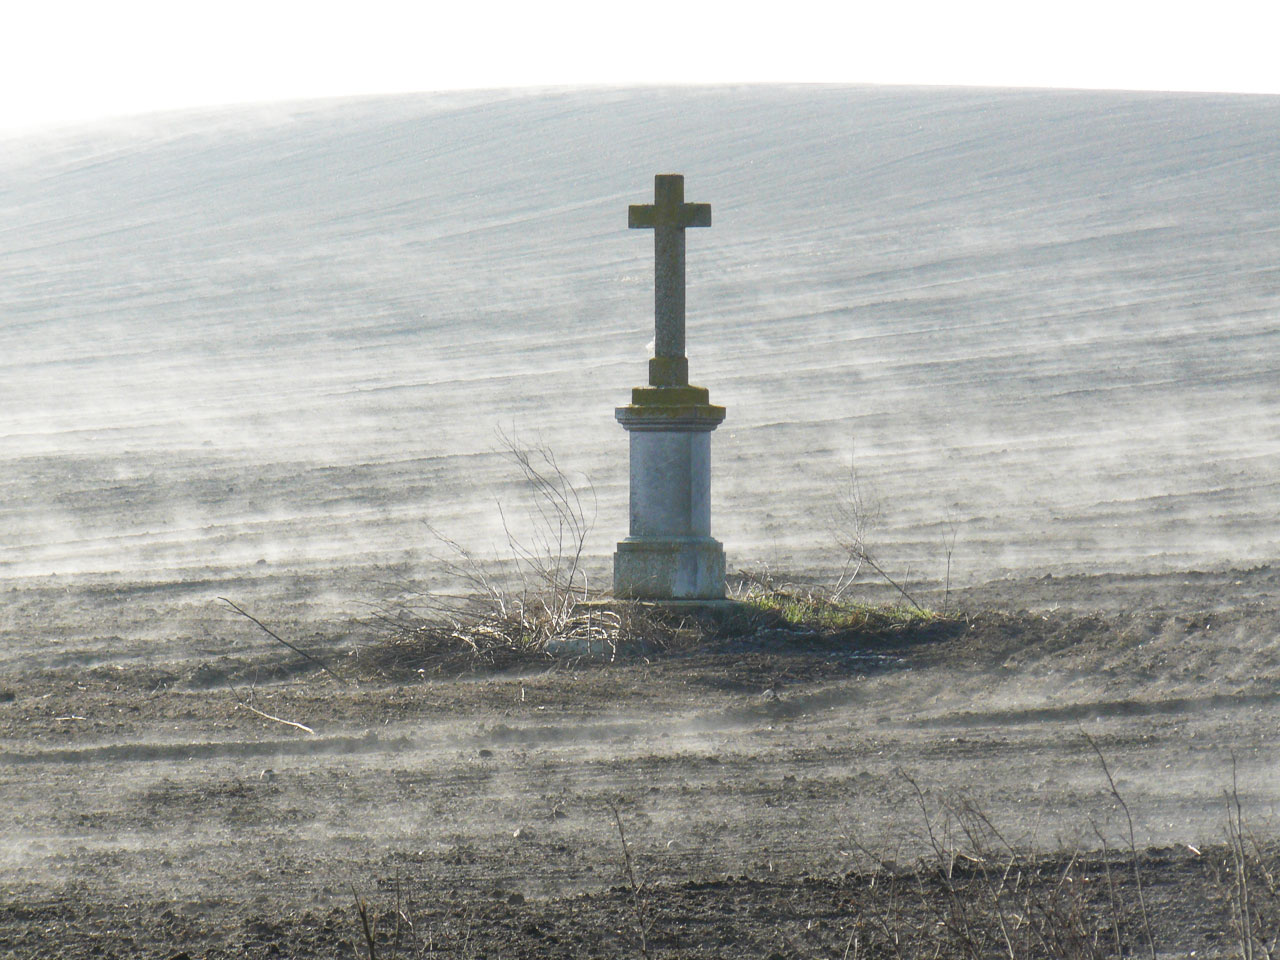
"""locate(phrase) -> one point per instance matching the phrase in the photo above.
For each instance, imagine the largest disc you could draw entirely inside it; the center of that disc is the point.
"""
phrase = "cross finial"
(668, 216)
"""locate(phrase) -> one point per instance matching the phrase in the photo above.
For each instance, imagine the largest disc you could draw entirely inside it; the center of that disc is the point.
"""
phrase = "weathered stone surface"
(670, 483)
(670, 568)
(668, 371)
(669, 553)
(658, 408)
(668, 216)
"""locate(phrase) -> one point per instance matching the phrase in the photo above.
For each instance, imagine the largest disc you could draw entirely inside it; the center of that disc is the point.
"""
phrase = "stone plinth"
(670, 553)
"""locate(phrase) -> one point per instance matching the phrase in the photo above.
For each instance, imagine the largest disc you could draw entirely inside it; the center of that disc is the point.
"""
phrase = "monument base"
(669, 568)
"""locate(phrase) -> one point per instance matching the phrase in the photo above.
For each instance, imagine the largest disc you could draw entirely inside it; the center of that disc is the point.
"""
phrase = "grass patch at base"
(821, 613)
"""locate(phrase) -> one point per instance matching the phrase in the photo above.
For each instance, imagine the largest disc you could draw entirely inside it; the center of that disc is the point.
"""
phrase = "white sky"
(63, 61)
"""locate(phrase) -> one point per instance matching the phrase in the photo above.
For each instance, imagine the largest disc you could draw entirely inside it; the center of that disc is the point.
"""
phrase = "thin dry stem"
(1133, 848)
(275, 636)
(637, 902)
(852, 519)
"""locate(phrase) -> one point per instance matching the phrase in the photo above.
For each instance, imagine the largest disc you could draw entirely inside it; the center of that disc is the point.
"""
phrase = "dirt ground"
(776, 787)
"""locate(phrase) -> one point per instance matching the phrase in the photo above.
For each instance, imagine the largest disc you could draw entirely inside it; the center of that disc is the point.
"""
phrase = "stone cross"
(669, 553)
(668, 216)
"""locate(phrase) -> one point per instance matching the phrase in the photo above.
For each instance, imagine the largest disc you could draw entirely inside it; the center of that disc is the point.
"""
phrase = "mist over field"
(263, 353)
(1044, 321)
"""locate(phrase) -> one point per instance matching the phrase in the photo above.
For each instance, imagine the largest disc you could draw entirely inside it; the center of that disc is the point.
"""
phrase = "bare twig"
(1111, 891)
(1133, 847)
(852, 518)
(267, 716)
(533, 591)
(1254, 924)
(363, 910)
(637, 902)
(275, 636)
(1236, 831)
(851, 944)
(949, 545)
(867, 558)
(401, 921)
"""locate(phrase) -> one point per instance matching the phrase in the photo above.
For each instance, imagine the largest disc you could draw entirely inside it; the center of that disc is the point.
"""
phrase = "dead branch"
(1133, 848)
(275, 636)
(637, 902)
(267, 716)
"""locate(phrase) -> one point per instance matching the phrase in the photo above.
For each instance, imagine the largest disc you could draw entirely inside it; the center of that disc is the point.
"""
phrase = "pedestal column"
(670, 553)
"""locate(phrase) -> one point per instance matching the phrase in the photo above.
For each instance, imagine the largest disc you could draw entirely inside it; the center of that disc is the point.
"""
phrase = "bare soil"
(776, 785)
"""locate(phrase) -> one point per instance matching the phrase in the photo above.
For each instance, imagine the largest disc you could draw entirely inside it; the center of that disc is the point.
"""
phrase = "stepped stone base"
(670, 568)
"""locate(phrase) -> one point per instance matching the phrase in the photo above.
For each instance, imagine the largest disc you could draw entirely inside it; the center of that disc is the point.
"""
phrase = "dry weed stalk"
(279, 639)
(1133, 847)
(549, 562)
(369, 921)
(1252, 891)
(852, 517)
(366, 926)
(987, 897)
(949, 548)
(638, 905)
(534, 593)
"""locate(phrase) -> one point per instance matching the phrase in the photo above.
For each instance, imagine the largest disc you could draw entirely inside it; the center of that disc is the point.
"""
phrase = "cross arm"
(646, 215)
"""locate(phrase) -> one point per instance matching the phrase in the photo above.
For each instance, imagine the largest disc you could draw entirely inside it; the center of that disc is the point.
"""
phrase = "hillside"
(1044, 321)
(253, 354)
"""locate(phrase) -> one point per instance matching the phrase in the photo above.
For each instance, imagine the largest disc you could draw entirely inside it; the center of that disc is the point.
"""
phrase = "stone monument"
(669, 554)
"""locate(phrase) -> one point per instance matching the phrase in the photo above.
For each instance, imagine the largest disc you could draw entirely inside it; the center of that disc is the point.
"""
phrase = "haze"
(254, 352)
(1041, 321)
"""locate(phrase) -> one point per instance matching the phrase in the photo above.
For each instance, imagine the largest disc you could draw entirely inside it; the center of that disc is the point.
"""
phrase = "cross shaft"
(668, 216)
